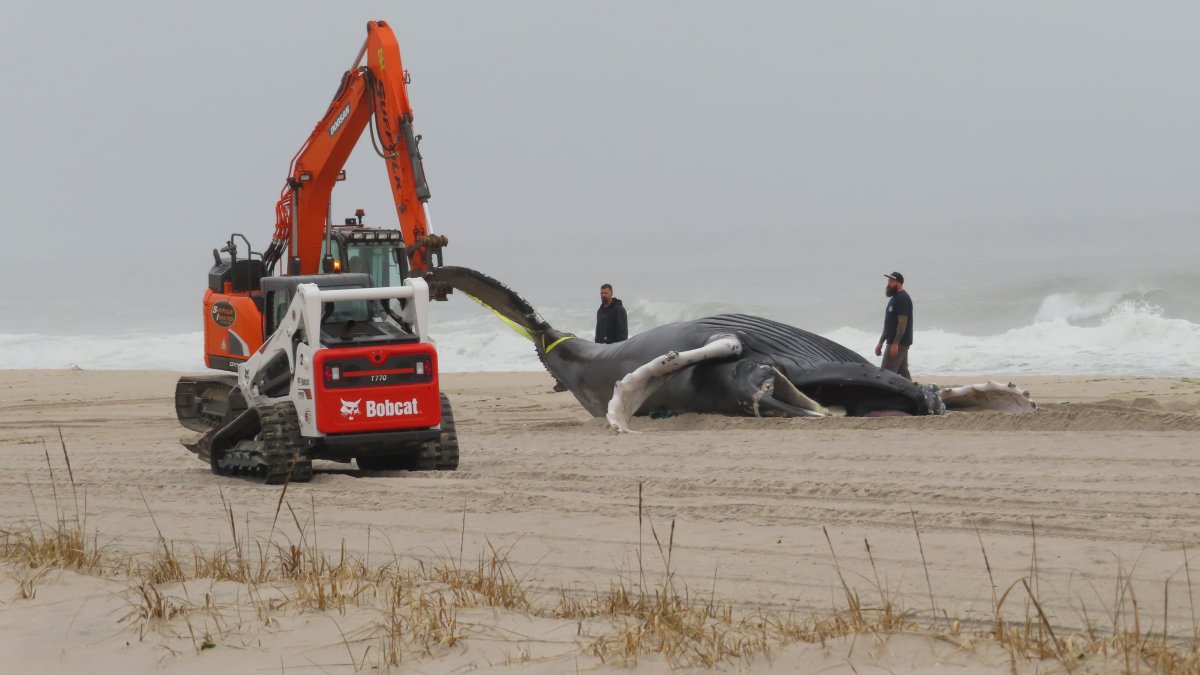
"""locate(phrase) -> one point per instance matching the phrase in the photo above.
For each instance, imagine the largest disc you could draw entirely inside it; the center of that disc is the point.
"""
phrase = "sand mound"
(1136, 415)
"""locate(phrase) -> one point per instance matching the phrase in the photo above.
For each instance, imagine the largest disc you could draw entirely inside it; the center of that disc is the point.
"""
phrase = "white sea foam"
(469, 349)
(483, 344)
(1132, 339)
(1122, 338)
(1079, 306)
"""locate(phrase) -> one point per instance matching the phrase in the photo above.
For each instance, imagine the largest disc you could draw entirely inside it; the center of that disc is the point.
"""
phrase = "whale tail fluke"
(507, 305)
(503, 301)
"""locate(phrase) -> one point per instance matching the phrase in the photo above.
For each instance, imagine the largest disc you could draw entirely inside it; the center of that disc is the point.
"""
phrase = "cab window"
(278, 303)
(381, 263)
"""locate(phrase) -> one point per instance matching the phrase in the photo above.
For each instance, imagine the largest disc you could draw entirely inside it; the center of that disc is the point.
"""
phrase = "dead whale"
(730, 364)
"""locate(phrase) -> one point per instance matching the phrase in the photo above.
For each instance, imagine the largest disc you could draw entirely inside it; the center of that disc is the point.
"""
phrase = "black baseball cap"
(895, 275)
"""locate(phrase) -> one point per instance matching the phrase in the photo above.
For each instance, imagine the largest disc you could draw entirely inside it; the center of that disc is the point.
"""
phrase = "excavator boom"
(371, 97)
(372, 94)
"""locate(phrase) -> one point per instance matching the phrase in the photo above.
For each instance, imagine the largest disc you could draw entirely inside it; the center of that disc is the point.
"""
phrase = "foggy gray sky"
(662, 146)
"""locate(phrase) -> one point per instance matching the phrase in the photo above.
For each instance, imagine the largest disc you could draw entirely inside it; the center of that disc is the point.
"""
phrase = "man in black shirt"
(612, 325)
(897, 327)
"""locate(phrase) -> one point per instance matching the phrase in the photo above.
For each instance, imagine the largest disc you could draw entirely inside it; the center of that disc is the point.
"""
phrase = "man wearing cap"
(897, 327)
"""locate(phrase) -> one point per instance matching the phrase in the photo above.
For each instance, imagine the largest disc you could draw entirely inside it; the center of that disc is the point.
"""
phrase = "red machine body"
(366, 389)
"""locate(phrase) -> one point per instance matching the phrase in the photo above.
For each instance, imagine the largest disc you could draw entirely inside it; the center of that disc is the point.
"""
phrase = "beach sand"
(1104, 480)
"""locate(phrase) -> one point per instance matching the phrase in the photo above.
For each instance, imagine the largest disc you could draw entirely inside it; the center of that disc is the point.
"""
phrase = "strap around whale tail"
(521, 330)
(514, 310)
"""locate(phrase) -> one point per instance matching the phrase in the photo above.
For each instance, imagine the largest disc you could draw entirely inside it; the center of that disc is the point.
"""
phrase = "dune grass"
(417, 606)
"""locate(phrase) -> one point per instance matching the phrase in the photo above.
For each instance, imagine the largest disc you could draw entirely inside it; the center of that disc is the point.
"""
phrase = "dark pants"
(897, 364)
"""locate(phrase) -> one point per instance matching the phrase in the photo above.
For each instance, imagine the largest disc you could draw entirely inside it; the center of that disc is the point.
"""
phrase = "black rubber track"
(283, 447)
(437, 455)
(448, 452)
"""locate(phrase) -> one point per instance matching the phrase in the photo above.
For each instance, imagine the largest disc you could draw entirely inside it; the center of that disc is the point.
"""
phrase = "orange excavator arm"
(373, 90)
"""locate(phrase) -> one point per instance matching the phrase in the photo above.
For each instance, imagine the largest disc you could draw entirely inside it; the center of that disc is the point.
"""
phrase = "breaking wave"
(1082, 307)
(132, 351)
(1071, 334)
(1132, 338)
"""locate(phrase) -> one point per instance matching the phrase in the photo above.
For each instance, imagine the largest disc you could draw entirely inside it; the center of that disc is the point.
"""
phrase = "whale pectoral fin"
(988, 396)
(631, 391)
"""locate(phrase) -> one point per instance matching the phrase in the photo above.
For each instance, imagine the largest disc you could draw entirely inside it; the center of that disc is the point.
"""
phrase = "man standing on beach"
(612, 326)
(897, 327)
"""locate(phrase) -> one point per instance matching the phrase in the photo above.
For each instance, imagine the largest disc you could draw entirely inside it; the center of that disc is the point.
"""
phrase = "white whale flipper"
(990, 395)
(631, 391)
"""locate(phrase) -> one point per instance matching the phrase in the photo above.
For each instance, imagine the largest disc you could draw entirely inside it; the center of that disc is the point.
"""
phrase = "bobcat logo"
(350, 409)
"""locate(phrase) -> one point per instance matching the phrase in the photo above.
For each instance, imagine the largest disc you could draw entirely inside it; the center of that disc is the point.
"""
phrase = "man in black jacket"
(612, 325)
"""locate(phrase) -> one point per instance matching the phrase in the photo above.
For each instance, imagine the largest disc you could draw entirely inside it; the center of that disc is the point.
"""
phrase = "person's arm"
(622, 331)
(599, 327)
(901, 325)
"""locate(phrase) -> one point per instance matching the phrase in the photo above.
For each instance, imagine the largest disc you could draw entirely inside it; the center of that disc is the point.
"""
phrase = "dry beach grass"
(994, 544)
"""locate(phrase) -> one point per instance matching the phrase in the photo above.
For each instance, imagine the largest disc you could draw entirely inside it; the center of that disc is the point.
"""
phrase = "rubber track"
(448, 452)
(437, 455)
(442, 454)
(214, 390)
(278, 453)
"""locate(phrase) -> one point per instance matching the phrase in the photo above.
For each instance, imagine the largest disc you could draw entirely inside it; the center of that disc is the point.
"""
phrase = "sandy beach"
(1104, 481)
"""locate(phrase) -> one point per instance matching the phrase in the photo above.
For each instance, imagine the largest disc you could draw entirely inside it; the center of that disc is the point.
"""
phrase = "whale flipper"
(990, 395)
(631, 391)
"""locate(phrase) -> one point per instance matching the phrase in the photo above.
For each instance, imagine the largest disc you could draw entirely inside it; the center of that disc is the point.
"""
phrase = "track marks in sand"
(750, 496)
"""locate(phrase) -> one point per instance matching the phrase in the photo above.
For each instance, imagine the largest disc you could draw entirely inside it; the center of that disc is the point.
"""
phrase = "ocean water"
(1056, 327)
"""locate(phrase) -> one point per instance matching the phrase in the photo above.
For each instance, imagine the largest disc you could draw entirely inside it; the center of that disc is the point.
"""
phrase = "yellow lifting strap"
(546, 350)
(521, 330)
(511, 324)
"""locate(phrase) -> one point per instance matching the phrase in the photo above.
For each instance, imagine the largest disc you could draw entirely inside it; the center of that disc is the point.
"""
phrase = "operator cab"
(357, 248)
(383, 254)
(361, 322)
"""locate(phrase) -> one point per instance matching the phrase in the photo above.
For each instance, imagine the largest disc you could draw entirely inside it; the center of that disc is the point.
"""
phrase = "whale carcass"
(730, 364)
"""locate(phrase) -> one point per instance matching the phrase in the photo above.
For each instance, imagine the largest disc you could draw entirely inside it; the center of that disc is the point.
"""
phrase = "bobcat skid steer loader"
(348, 373)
